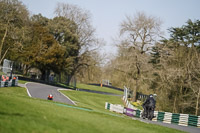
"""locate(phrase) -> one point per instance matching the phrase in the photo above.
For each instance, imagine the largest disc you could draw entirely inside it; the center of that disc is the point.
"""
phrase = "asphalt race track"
(42, 91)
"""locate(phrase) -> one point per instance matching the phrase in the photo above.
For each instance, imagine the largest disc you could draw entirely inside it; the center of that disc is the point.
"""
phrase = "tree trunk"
(137, 79)
(69, 78)
(197, 103)
(59, 78)
(25, 69)
(174, 106)
(47, 75)
(43, 75)
(2, 43)
(135, 91)
(4, 55)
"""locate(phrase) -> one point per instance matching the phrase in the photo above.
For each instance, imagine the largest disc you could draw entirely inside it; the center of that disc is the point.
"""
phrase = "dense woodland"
(146, 61)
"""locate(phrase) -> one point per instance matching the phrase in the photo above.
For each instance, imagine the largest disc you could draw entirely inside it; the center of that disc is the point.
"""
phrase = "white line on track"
(66, 96)
(27, 90)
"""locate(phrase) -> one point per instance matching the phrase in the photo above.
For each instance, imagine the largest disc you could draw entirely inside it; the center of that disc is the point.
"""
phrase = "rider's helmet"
(150, 95)
(50, 96)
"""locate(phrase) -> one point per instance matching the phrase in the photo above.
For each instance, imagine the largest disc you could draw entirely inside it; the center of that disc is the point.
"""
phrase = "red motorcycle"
(50, 97)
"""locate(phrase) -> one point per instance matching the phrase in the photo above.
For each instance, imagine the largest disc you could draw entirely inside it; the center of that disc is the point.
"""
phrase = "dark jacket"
(150, 102)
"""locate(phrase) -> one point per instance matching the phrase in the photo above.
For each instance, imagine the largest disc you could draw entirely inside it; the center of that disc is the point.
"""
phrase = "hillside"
(20, 113)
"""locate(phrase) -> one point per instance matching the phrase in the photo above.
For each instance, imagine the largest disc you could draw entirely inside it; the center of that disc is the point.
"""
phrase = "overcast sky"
(108, 14)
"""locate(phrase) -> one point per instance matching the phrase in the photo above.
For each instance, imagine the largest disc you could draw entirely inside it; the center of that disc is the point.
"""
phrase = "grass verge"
(98, 88)
(91, 100)
(22, 81)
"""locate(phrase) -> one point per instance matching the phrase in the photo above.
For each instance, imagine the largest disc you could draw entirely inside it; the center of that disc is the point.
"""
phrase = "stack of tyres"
(167, 117)
(155, 116)
(183, 121)
(107, 106)
(198, 123)
(118, 109)
(175, 118)
(138, 113)
(161, 116)
(192, 120)
(129, 112)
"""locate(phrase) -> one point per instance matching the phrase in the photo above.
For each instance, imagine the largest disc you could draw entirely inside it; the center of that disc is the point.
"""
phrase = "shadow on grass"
(11, 114)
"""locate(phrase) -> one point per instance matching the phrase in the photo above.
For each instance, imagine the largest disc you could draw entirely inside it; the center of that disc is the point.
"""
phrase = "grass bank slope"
(22, 114)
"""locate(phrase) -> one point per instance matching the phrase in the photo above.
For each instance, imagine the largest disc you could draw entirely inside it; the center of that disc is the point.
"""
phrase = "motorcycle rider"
(149, 105)
(50, 97)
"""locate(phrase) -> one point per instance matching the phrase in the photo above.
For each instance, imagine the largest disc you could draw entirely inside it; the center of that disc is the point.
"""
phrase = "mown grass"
(98, 88)
(22, 114)
(22, 81)
(92, 100)
(95, 88)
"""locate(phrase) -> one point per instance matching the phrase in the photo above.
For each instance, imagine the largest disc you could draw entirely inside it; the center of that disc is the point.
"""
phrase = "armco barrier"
(118, 109)
(160, 116)
(165, 117)
(193, 120)
(123, 110)
(175, 118)
(107, 106)
(156, 116)
(138, 113)
(114, 108)
(183, 121)
(198, 124)
(129, 112)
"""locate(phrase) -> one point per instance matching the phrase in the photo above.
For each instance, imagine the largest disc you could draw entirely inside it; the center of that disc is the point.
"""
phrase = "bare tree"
(82, 18)
(139, 33)
(141, 30)
(193, 71)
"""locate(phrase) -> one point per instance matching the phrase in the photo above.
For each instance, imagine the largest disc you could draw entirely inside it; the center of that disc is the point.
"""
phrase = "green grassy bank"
(22, 114)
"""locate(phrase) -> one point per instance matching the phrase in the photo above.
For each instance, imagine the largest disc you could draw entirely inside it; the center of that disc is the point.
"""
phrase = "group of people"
(149, 106)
